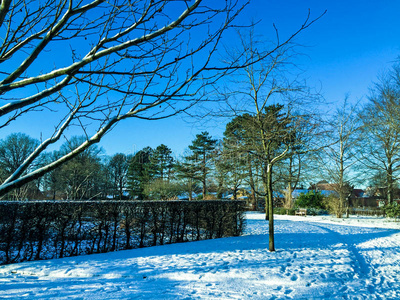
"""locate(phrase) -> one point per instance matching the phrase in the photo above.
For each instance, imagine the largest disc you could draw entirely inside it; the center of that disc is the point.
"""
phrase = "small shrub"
(284, 211)
(335, 205)
(163, 190)
(317, 212)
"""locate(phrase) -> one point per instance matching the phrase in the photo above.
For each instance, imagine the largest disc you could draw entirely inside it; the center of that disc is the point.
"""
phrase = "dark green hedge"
(35, 230)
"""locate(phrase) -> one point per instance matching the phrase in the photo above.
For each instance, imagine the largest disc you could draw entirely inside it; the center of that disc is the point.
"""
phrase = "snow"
(317, 258)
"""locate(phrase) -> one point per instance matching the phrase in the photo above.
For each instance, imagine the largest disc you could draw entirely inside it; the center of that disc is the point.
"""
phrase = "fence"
(367, 212)
(34, 230)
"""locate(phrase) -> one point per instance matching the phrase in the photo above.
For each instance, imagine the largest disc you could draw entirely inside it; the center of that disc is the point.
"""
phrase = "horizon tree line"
(360, 139)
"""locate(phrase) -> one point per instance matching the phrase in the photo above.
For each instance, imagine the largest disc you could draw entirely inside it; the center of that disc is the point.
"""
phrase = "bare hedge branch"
(54, 229)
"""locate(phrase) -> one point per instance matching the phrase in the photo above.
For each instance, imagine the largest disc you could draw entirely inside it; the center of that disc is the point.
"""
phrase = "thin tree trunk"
(266, 205)
(389, 177)
(270, 209)
(251, 181)
(204, 176)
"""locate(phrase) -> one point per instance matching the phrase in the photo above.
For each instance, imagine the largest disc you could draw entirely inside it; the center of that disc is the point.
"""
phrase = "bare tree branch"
(95, 63)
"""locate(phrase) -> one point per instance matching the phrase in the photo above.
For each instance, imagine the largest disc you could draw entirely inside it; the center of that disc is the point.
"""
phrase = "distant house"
(296, 193)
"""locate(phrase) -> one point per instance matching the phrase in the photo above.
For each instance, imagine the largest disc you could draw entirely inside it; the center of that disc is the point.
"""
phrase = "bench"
(301, 212)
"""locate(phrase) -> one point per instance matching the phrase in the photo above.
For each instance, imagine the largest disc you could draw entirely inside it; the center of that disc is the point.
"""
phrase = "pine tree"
(202, 148)
(162, 162)
(140, 173)
(188, 173)
(235, 154)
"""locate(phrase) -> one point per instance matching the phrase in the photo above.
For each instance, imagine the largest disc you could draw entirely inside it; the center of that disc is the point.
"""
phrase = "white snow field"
(316, 258)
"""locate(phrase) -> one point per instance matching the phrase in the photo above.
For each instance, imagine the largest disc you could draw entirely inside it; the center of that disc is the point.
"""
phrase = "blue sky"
(344, 52)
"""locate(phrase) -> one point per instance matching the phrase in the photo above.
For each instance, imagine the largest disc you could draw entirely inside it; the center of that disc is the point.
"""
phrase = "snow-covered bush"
(32, 230)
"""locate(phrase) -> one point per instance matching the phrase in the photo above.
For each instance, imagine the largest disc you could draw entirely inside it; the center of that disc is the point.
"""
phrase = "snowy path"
(315, 260)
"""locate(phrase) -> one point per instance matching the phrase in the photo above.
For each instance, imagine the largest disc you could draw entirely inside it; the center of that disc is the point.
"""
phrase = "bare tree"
(81, 176)
(14, 149)
(272, 102)
(126, 59)
(380, 130)
(290, 172)
(338, 160)
(95, 63)
(118, 169)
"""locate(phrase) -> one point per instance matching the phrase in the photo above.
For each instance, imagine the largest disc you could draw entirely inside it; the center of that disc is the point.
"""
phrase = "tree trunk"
(251, 181)
(266, 205)
(266, 188)
(190, 189)
(204, 176)
(204, 189)
(270, 209)
(389, 177)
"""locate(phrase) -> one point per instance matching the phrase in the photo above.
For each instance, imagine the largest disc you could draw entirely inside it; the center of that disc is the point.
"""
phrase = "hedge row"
(36, 230)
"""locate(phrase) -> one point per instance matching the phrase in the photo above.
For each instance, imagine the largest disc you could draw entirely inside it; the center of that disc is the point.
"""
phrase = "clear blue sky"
(344, 52)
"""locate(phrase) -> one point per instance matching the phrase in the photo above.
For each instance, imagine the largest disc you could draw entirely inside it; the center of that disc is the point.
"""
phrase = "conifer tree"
(140, 173)
(202, 148)
(188, 173)
(162, 162)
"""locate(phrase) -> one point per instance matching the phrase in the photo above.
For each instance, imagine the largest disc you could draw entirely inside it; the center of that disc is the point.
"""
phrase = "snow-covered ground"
(316, 258)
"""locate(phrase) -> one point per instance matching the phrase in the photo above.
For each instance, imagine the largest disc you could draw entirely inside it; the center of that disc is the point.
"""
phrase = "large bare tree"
(91, 64)
(339, 159)
(271, 98)
(380, 130)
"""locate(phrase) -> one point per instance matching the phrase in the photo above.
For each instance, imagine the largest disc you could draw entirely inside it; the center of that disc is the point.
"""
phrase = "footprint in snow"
(294, 277)
(343, 289)
(288, 291)
(371, 288)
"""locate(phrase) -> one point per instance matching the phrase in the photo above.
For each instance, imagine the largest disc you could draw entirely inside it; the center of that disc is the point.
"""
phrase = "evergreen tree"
(188, 173)
(313, 199)
(230, 168)
(140, 173)
(236, 159)
(202, 148)
(162, 162)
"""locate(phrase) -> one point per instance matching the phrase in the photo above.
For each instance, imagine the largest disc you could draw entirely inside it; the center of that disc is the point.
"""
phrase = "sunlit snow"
(316, 258)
